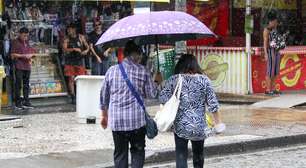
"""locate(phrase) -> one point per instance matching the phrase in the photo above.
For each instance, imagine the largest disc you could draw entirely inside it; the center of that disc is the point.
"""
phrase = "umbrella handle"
(156, 46)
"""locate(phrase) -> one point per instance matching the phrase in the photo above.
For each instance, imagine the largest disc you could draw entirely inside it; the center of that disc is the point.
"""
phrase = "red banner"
(291, 76)
(214, 14)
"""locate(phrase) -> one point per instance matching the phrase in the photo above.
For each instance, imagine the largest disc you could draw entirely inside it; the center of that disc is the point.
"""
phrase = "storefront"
(47, 22)
(226, 61)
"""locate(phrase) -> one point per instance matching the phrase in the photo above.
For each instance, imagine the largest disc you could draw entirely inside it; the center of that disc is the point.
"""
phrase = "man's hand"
(28, 56)
(104, 122)
(84, 52)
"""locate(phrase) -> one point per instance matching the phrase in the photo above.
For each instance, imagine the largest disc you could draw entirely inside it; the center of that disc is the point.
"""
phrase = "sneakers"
(27, 106)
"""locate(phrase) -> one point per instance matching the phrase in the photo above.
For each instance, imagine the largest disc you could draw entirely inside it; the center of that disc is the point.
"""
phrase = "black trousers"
(181, 151)
(136, 139)
(22, 81)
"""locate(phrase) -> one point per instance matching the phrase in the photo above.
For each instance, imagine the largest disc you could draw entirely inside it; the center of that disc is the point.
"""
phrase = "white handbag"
(166, 115)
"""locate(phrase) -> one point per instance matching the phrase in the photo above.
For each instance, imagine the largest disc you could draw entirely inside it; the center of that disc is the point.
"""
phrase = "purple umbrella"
(155, 27)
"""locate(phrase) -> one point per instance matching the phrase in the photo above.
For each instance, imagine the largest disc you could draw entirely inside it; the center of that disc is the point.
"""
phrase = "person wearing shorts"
(75, 48)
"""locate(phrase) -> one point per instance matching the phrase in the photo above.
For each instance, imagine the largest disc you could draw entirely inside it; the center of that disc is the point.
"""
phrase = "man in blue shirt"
(121, 110)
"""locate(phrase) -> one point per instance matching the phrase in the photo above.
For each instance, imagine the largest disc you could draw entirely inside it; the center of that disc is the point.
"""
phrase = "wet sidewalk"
(56, 140)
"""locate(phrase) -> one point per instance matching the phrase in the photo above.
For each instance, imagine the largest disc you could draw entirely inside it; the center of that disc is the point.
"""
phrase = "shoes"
(277, 92)
(269, 93)
(27, 106)
(18, 107)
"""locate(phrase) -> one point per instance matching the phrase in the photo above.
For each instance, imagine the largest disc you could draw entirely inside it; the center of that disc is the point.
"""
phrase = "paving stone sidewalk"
(57, 140)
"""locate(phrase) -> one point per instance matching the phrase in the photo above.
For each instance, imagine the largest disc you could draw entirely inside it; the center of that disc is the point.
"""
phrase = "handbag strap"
(132, 88)
(178, 88)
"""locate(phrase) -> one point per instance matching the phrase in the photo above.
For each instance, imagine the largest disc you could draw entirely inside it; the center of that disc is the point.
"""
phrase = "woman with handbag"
(272, 44)
(190, 123)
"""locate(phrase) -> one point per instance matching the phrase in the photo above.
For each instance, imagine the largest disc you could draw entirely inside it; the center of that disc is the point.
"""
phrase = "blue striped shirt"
(124, 112)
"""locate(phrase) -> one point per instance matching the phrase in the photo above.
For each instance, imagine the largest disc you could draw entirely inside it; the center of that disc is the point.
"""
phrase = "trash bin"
(2, 75)
(88, 98)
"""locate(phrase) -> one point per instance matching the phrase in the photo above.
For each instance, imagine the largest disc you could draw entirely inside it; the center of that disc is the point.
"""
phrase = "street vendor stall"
(47, 22)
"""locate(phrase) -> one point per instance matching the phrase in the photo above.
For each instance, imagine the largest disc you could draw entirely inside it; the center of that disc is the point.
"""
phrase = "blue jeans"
(100, 68)
(181, 151)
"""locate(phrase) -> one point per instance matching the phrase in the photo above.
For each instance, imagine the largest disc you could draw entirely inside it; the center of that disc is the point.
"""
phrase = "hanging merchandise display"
(46, 79)
(47, 22)
(166, 62)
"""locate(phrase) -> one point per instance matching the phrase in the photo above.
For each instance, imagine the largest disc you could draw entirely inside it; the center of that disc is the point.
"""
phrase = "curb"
(10, 122)
(168, 155)
(40, 110)
(61, 105)
(240, 99)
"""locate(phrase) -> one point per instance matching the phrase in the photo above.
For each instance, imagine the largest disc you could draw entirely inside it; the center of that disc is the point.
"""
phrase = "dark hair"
(71, 25)
(187, 64)
(131, 47)
(96, 20)
(272, 16)
(282, 28)
(24, 30)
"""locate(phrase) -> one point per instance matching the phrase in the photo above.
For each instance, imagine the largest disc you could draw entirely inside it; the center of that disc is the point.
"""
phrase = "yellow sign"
(215, 68)
(1, 7)
(295, 68)
(278, 4)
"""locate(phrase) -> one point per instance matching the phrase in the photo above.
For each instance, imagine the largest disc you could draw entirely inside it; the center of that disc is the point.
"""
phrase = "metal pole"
(180, 47)
(248, 48)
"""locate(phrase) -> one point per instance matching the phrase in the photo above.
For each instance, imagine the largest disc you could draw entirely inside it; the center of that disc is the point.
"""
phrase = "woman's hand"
(219, 126)
(266, 56)
(158, 78)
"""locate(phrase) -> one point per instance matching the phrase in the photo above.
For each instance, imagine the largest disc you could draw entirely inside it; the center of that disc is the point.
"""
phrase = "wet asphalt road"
(293, 157)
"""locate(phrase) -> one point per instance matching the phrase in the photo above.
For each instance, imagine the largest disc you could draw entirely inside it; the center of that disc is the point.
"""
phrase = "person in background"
(100, 60)
(190, 122)
(75, 48)
(21, 53)
(126, 118)
(271, 54)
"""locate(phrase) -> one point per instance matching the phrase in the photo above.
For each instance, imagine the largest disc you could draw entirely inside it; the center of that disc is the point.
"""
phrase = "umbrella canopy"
(155, 27)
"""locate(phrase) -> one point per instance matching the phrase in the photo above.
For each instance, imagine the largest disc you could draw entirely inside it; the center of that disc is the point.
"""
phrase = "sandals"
(269, 93)
(277, 92)
(274, 92)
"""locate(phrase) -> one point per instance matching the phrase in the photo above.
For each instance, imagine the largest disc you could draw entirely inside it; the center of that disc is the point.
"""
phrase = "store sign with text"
(291, 76)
